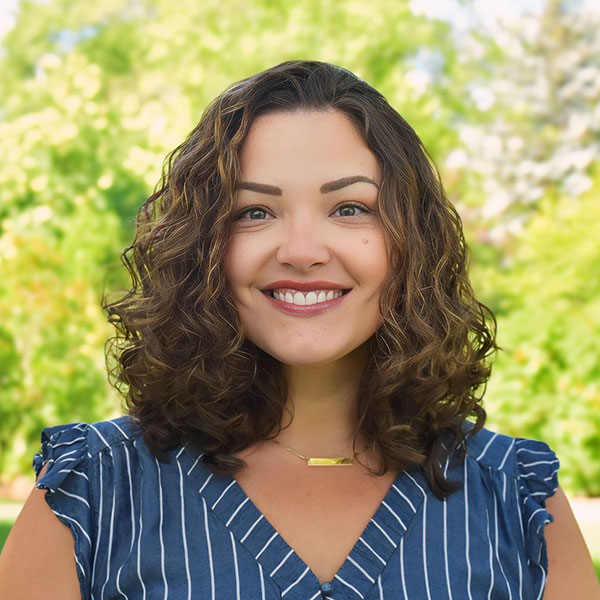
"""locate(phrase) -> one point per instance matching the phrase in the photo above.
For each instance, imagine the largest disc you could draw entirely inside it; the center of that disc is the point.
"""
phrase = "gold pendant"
(329, 462)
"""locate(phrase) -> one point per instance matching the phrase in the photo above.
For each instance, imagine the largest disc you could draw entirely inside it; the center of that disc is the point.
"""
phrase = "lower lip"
(305, 311)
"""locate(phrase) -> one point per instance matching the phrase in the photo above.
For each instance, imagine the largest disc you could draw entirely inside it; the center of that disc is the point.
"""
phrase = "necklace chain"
(313, 461)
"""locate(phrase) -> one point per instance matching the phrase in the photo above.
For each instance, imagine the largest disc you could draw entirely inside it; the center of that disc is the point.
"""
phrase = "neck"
(322, 400)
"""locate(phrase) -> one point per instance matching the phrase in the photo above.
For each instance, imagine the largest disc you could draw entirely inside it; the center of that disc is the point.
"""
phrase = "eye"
(351, 209)
(253, 213)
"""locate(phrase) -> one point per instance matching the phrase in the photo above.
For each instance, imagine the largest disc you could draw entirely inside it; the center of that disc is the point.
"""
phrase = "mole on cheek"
(365, 241)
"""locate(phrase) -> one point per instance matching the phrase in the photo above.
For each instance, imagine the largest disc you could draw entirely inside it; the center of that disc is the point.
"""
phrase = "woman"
(300, 352)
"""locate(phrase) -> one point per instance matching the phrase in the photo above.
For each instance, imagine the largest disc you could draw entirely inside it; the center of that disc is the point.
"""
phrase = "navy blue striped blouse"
(145, 529)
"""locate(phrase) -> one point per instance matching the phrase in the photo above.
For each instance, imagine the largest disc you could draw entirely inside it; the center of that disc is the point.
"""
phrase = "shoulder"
(92, 437)
(516, 457)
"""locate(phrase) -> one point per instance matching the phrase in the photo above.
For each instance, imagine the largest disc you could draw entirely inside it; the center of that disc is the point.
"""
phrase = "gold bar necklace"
(321, 461)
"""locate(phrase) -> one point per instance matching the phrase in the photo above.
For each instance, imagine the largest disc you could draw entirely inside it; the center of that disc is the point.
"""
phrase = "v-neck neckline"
(361, 568)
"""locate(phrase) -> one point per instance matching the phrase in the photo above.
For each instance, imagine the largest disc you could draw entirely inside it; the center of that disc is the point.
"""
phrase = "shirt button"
(326, 588)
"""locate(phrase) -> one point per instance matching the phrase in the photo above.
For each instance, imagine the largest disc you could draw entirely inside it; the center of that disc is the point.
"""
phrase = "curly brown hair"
(180, 357)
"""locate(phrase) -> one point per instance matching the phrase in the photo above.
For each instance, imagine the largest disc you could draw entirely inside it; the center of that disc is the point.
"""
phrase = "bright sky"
(7, 8)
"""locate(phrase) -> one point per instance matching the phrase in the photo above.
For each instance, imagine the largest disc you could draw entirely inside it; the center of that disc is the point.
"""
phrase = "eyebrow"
(331, 186)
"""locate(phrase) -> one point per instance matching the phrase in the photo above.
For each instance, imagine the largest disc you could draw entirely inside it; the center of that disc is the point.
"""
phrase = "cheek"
(234, 265)
(374, 257)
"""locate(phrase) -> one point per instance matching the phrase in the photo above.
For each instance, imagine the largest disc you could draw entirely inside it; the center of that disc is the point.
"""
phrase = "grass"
(4, 529)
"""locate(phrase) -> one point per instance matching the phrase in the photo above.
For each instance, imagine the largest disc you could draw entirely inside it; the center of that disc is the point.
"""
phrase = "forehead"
(321, 145)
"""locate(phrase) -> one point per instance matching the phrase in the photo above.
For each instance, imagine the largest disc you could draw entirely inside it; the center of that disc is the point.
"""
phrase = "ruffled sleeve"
(537, 472)
(65, 451)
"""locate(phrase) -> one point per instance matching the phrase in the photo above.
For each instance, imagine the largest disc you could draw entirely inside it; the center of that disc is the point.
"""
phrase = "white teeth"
(311, 298)
(307, 298)
(299, 299)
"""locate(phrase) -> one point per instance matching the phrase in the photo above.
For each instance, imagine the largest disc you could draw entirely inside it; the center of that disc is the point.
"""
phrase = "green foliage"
(545, 382)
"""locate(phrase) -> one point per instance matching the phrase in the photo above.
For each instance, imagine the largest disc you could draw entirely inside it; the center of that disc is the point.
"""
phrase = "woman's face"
(307, 255)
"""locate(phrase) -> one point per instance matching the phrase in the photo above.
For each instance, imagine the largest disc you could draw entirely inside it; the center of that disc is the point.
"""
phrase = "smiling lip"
(303, 286)
(310, 310)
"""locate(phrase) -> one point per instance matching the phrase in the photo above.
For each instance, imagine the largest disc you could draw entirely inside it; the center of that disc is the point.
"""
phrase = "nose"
(303, 245)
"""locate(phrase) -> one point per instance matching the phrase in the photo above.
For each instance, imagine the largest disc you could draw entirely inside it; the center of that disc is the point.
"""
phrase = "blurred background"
(506, 97)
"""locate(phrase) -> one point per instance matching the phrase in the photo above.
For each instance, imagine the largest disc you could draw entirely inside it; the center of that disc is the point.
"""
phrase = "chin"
(309, 355)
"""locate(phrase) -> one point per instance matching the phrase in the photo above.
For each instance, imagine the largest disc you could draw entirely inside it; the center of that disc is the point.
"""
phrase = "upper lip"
(305, 286)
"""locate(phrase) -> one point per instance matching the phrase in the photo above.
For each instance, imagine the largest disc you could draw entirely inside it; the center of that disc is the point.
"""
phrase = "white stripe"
(361, 569)
(373, 551)
(265, 546)
(446, 548)
(75, 473)
(287, 589)
(405, 497)
(491, 555)
(506, 455)
(520, 576)
(79, 439)
(195, 463)
(73, 496)
(317, 595)
(262, 582)
(535, 512)
(100, 436)
(466, 489)
(519, 450)
(536, 475)
(538, 462)
(113, 423)
(486, 447)
(520, 519)
(110, 536)
(132, 520)
(183, 533)
(222, 494)
(415, 482)
(79, 565)
(349, 585)
(65, 460)
(395, 515)
(425, 547)
(390, 540)
(503, 486)
(251, 528)
(204, 484)
(235, 565)
(496, 543)
(380, 588)
(539, 494)
(87, 537)
(101, 496)
(65, 454)
(210, 560)
(160, 534)
(281, 563)
(180, 452)
(139, 545)
(543, 584)
(402, 568)
(236, 511)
